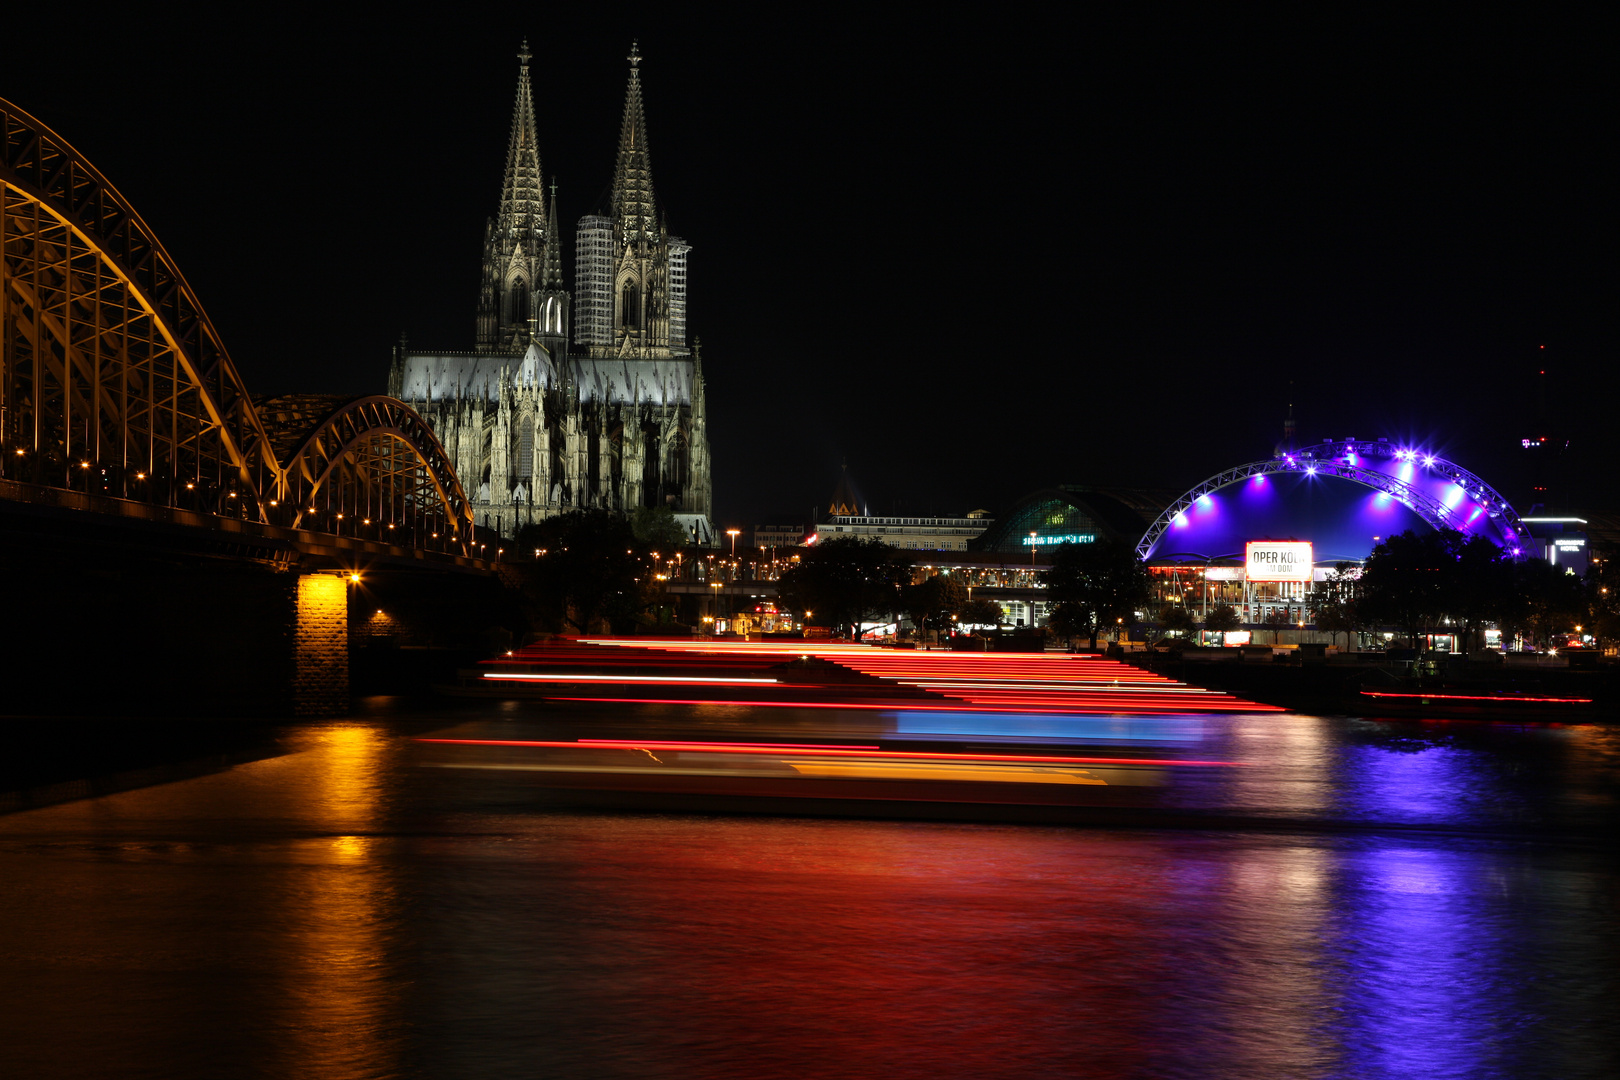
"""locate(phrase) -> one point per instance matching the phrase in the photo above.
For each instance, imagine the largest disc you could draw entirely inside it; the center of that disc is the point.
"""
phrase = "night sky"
(969, 258)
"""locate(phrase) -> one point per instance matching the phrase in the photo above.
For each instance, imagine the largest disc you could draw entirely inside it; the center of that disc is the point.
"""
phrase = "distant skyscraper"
(536, 428)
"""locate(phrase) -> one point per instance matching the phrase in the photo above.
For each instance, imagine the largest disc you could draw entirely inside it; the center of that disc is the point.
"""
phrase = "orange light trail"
(802, 751)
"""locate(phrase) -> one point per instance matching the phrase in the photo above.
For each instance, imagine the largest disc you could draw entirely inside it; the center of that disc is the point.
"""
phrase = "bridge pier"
(111, 616)
(320, 676)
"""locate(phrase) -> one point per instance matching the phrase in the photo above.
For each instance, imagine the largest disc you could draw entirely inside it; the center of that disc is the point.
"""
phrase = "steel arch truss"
(114, 382)
(112, 379)
(1341, 459)
(372, 467)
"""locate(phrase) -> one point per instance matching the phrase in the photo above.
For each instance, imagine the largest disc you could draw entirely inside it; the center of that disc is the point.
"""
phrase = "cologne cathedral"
(589, 399)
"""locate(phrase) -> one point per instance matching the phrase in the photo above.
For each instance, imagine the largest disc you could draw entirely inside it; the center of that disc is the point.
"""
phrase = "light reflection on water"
(334, 913)
(337, 992)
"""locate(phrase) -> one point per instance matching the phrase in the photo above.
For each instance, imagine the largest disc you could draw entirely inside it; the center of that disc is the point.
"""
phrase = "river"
(1372, 899)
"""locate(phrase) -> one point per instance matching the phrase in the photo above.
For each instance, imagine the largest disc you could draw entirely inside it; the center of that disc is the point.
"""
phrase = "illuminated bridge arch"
(1444, 495)
(368, 467)
(114, 380)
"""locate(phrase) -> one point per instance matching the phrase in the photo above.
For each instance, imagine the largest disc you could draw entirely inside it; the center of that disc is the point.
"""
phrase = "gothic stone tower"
(534, 430)
(522, 298)
(631, 272)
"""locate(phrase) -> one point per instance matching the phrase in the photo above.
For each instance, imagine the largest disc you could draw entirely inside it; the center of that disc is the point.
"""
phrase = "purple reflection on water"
(1423, 984)
(1436, 783)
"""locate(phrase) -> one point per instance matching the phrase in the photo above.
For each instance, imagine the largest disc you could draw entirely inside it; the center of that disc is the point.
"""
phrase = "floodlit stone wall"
(321, 646)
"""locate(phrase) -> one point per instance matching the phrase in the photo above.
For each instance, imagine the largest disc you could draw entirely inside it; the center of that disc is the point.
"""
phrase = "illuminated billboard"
(1277, 560)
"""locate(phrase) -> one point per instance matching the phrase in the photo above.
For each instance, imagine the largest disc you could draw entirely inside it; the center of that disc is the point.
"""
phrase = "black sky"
(971, 258)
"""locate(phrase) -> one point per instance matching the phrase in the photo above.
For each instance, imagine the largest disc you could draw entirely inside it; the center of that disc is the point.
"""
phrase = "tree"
(1603, 602)
(1403, 582)
(933, 600)
(1472, 582)
(1176, 619)
(848, 581)
(1095, 585)
(1069, 621)
(589, 571)
(1275, 620)
(1334, 602)
(656, 525)
(1221, 619)
(982, 612)
(1539, 600)
(1417, 581)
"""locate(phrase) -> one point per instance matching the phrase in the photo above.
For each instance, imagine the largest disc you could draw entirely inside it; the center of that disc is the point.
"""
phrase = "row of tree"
(848, 583)
(598, 569)
(1423, 582)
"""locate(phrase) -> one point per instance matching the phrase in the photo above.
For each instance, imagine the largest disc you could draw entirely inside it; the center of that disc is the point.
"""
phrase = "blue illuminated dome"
(1342, 496)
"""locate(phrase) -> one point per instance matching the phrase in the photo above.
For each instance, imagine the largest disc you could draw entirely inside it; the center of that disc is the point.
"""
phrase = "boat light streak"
(1477, 697)
(829, 751)
(667, 744)
(713, 680)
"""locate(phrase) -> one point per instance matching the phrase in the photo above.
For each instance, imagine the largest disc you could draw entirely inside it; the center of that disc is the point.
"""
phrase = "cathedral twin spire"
(630, 277)
(633, 203)
(523, 295)
(523, 196)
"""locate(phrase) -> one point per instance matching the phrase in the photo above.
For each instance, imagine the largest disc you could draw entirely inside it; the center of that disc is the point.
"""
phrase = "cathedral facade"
(589, 399)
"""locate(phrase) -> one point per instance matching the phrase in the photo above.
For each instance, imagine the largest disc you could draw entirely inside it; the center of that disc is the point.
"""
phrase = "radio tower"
(1544, 449)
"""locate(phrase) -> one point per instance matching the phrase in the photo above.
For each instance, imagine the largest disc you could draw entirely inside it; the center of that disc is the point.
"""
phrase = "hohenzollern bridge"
(122, 415)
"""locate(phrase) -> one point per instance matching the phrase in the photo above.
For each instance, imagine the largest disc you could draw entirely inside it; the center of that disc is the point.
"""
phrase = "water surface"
(1398, 900)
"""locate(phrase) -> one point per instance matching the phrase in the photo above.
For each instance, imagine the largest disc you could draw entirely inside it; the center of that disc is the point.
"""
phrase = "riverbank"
(1455, 688)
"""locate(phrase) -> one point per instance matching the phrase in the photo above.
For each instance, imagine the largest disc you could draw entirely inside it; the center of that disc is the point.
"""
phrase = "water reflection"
(336, 913)
(1288, 758)
(338, 1000)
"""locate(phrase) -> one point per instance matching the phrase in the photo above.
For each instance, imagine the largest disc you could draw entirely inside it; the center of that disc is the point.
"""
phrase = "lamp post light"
(733, 533)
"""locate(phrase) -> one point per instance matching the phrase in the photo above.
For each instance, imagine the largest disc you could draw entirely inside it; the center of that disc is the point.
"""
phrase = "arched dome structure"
(1073, 514)
(1343, 496)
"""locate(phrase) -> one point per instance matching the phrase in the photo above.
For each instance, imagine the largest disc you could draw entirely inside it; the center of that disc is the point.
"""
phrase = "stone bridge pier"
(95, 622)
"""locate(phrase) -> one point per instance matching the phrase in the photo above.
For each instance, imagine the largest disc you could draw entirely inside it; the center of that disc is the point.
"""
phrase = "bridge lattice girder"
(106, 344)
(373, 455)
(113, 380)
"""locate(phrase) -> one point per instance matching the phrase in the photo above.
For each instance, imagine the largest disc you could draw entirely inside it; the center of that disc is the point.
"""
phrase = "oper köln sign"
(1277, 560)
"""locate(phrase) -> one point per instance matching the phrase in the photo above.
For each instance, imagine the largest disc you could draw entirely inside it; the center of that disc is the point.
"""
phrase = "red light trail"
(1065, 684)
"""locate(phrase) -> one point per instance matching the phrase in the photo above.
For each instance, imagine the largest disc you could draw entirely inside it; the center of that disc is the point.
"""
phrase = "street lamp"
(733, 533)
